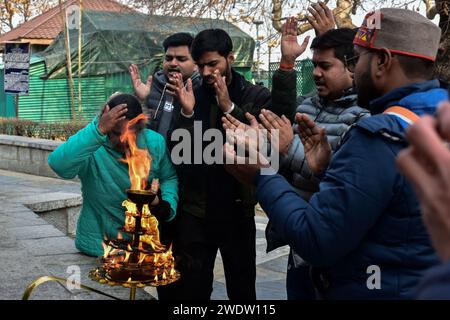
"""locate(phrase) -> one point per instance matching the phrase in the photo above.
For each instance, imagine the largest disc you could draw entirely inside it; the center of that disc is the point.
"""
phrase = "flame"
(131, 206)
(153, 242)
(138, 160)
(142, 258)
(106, 250)
(127, 256)
(161, 262)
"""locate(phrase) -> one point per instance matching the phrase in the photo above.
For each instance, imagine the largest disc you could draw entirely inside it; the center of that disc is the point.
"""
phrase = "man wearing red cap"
(363, 232)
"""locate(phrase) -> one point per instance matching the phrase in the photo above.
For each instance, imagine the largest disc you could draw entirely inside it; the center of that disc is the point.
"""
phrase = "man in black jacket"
(216, 211)
(161, 107)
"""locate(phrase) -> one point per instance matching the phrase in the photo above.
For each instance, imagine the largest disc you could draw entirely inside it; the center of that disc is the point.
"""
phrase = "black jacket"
(208, 190)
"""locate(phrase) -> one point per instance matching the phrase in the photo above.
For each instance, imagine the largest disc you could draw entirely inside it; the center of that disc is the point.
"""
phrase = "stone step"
(61, 209)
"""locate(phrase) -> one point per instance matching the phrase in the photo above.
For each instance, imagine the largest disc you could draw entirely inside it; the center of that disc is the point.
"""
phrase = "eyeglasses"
(351, 62)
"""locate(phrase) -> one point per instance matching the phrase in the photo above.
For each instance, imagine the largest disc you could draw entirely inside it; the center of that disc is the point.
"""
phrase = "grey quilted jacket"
(336, 117)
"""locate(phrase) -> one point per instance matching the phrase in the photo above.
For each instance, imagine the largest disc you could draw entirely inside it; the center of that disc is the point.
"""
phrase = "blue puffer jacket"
(436, 284)
(366, 213)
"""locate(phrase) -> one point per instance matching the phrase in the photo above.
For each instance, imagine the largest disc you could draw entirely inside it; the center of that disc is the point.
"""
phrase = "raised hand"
(142, 90)
(290, 48)
(315, 143)
(184, 94)
(220, 86)
(322, 18)
(272, 122)
(111, 117)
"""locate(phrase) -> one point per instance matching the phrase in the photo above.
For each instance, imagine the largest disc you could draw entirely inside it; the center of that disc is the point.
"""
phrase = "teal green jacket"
(104, 179)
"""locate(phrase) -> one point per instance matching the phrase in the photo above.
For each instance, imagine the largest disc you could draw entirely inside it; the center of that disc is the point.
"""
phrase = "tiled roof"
(49, 24)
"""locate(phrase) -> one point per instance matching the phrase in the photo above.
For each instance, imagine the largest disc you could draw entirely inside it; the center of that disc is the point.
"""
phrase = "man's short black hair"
(178, 40)
(340, 40)
(211, 40)
(133, 105)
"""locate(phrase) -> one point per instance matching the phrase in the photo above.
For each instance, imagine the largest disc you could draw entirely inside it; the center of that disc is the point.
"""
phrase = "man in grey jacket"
(159, 100)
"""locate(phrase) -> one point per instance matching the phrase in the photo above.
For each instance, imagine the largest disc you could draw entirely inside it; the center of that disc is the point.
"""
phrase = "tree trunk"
(342, 15)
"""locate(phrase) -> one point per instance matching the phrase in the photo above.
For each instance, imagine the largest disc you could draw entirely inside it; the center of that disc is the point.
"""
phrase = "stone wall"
(26, 155)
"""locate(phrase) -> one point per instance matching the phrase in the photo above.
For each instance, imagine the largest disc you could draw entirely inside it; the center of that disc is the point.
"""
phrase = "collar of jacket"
(421, 98)
(348, 99)
(160, 80)
(237, 83)
(395, 96)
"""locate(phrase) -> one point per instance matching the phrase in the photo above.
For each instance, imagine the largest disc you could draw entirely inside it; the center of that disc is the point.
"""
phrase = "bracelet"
(287, 66)
(185, 115)
(231, 109)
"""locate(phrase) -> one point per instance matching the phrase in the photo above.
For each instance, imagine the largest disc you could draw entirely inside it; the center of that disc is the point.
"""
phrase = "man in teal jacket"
(93, 154)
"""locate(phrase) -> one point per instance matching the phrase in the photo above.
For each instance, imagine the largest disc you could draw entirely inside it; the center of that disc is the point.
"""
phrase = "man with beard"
(161, 108)
(335, 109)
(363, 232)
(216, 211)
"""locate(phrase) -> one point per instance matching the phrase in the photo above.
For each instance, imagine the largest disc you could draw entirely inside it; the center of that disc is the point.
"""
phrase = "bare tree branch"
(431, 9)
(342, 15)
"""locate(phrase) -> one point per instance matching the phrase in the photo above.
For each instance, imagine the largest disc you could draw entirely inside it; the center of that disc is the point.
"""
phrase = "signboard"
(17, 68)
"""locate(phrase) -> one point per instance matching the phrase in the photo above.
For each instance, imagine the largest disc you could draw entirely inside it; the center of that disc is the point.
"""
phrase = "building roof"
(44, 28)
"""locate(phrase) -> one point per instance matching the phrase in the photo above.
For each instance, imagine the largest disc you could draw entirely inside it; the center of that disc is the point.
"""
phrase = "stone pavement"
(31, 247)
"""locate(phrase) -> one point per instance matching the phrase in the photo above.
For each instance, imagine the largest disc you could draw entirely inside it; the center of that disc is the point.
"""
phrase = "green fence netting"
(305, 78)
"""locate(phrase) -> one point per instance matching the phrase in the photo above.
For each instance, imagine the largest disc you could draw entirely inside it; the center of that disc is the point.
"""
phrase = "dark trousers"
(299, 284)
(195, 249)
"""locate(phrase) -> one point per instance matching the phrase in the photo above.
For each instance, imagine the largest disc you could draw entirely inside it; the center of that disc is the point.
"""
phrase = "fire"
(138, 160)
(106, 250)
(127, 257)
(140, 254)
(131, 206)
(142, 258)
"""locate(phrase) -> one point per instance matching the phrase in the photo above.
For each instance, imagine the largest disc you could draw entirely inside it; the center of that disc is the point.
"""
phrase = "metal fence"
(305, 79)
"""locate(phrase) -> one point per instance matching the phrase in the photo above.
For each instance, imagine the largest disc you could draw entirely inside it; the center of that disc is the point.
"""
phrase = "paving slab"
(49, 246)
(35, 232)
